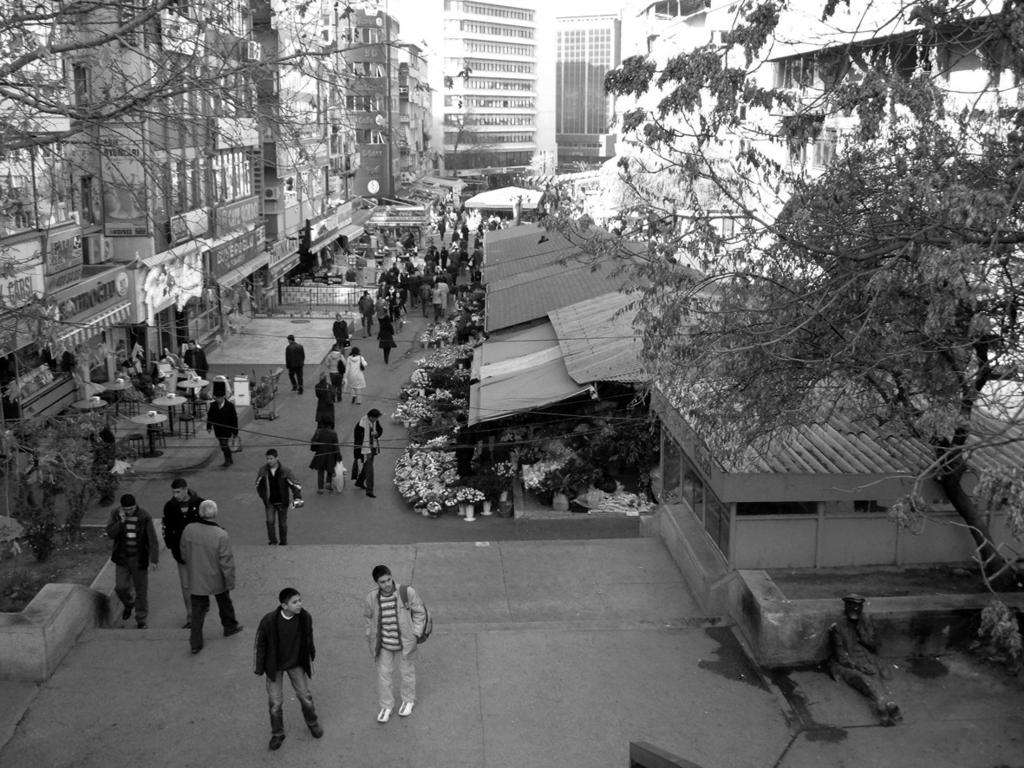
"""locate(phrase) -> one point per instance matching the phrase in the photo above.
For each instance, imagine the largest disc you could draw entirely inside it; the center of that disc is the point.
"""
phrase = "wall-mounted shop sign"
(237, 252)
(63, 261)
(281, 250)
(243, 213)
(22, 267)
(93, 295)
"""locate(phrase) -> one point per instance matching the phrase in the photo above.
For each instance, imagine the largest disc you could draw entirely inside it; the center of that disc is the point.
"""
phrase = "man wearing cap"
(366, 445)
(211, 571)
(136, 549)
(179, 511)
(854, 661)
(294, 359)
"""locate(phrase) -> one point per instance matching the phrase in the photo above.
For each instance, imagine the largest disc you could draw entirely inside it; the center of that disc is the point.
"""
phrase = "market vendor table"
(170, 402)
(150, 422)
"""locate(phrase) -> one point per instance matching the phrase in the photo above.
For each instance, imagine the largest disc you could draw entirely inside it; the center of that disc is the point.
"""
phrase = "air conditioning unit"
(254, 51)
(272, 193)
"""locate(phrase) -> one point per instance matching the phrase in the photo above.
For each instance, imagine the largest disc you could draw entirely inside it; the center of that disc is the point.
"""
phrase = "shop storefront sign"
(281, 250)
(237, 252)
(63, 279)
(22, 266)
(243, 213)
(93, 295)
(64, 252)
(124, 186)
(174, 277)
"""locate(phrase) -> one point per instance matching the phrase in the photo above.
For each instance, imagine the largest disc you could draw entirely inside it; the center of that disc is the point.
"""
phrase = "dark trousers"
(225, 448)
(295, 377)
(336, 381)
(363, 474)
(200, 606)
(277, 512)
(325, 479)
(131, 583)
(368, 324)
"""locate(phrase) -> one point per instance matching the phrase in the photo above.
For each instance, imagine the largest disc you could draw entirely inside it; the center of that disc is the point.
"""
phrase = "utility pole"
(390, 188)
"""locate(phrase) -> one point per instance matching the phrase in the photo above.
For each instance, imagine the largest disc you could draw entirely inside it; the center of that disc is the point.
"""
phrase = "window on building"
(80, 77)
(777, 508)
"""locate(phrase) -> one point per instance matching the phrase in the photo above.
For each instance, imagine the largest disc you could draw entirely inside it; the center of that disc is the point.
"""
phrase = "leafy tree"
(887, 288)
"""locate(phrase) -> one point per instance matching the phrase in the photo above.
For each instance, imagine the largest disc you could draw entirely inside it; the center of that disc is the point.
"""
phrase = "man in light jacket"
(211, 571)
(391, 630)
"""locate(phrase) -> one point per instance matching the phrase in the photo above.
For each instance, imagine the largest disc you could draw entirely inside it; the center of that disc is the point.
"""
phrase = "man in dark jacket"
(284, 645)
(277, 487)
(222, 418)
(195, 358)
(366, 445)
(180, 510)
(294, 359)
(136, 549)
(340, 331)
(366, 313)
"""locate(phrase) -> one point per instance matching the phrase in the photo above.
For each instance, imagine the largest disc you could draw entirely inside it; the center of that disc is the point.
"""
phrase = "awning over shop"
(519, 371)
(277, 271)
(193, 248)
(238, 274)
(351, 232)
(73, 336)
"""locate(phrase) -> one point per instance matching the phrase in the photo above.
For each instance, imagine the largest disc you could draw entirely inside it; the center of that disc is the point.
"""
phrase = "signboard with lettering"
(94, 295)
(190, 224)
(63, 252)
(281, 250)
(236, 253)
(124, 187)
(243, 213)
(236, 132)
(21, 273)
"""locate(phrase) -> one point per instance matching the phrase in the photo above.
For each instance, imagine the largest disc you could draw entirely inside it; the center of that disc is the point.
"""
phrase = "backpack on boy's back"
(428, 622)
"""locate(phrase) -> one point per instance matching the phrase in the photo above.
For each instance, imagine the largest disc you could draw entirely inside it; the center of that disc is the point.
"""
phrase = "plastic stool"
(186, 425)
(201, 408)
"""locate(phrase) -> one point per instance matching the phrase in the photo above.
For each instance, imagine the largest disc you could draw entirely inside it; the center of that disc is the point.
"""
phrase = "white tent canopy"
(503, 199)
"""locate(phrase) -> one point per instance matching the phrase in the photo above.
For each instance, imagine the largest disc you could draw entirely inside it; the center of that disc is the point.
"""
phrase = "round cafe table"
(118, 387)
(149, 422)
(193, 386)
(89, 404)
(170, 402)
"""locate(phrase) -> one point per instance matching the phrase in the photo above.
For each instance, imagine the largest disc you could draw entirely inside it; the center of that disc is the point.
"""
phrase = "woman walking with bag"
(335, 363)
(386, 337)
(355, 379)
(327, 454)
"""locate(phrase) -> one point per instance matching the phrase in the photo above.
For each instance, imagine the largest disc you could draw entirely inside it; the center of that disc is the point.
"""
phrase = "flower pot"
(503, 496)
(470, 513)
(505, 509)
(462, 509)
(560, 502)
(487, 508)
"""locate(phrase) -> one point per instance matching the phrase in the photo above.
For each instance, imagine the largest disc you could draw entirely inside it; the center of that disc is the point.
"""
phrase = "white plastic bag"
(339, 476)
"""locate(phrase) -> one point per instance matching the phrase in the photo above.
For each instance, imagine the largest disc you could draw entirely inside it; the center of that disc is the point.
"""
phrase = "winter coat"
(294, 355)
(148, 545)
(324, 402)
(209, 561)
(174, 522)
(222, 418)
(340, 331)
(265, 647)
(386, 334)
(327, 451)
(410, 620)
(286, 482)
(354, 376)
(366, 438)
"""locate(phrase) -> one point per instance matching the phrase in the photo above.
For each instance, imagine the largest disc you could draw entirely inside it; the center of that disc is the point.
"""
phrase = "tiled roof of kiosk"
(598, 341)
(841, 446)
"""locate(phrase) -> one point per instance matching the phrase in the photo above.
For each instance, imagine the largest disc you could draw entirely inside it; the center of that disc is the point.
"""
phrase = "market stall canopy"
(598, 341)
(523, 372)
(504, 199)
(398, 216)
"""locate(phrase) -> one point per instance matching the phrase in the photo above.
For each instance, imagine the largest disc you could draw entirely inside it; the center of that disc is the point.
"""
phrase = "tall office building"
(587, 47)
(497, 94)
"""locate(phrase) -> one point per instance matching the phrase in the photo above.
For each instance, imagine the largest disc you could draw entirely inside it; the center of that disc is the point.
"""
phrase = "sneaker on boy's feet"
(384, 715)
(233, 631)
(316, 730)
(127, 612)
(276, 741)
(406, 709)
(141, 625)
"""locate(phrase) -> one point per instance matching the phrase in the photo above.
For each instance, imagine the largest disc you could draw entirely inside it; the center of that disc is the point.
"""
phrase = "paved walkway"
(545, 653)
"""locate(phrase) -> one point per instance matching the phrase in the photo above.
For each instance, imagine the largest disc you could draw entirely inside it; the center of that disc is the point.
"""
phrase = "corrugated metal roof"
(841, 446)
(598, 341)
(524, 298)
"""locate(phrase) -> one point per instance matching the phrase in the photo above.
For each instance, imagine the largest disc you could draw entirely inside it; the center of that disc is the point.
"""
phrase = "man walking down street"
(340, 331)
(294, 359)
(222, 418)
(195, 358)
(179, 511)
(211, 571)
(284, 645)
(391, 631)
(366, 445)
(277, 487)
(136, 549)
(366, 313)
